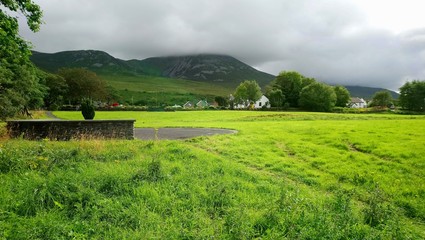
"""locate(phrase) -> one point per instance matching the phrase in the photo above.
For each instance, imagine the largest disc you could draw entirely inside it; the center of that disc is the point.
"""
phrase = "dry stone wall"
(71, 129)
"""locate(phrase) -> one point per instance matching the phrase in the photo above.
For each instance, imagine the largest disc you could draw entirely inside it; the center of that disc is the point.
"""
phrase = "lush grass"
(142, 98)
(160, 84)
(284, 175)
(159, 91)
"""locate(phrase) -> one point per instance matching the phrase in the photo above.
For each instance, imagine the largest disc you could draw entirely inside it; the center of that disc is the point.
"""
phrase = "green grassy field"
(157, 90)
(283, 175)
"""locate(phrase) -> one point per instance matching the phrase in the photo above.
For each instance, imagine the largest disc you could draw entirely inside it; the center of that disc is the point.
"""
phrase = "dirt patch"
(177, 133)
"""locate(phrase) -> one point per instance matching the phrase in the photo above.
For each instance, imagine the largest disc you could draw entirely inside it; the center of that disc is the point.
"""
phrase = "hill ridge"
(219, 69)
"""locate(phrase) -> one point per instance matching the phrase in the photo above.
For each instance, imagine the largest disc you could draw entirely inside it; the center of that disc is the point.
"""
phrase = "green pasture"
(284, 175)
(160, 84)
(159, 91)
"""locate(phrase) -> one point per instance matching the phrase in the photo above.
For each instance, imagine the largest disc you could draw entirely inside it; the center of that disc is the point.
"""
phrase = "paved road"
(169, 133)
(177, 133)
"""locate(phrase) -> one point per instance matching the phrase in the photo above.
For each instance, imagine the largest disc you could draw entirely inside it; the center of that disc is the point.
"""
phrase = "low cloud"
(328, 40)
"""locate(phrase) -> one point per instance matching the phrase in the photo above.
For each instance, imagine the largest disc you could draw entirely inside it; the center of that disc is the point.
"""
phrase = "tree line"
(290, 89)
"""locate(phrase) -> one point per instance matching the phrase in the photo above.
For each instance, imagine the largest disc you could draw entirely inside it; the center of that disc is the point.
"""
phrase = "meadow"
(156, 91)
(284, 175)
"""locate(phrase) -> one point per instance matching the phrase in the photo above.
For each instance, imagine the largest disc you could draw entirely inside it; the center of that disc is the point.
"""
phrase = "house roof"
(188, 104)
(357, 100)
(202, 103)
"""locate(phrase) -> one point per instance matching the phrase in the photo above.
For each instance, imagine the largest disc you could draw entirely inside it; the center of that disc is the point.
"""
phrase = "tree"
(381, 99)
(412, 96)
(276, 97)
(87, 109)
(291, 83)
(247, 92)
(221, 101)
(83, 83)
(318, 97)
(112, 95)
(56, 91)
(342, 96)
(20, 88)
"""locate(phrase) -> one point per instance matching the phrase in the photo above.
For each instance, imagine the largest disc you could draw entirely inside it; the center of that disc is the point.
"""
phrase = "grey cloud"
(328, 40)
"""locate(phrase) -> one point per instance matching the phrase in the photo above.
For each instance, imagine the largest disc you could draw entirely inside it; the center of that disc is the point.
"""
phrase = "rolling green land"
(283, 175)
(155, 91)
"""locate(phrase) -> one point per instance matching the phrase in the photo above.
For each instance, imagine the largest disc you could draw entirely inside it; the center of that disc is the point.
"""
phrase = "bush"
(87, 109)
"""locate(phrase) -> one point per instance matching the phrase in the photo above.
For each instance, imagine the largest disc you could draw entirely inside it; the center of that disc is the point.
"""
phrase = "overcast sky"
(353, 42)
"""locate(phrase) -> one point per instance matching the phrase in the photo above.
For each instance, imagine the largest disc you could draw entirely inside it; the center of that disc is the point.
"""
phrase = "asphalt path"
(169, 133)
(177, 133)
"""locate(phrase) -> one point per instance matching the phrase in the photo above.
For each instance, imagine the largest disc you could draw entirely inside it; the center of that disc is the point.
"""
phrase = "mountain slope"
(97, 61)
(218, 69)
(221, 69)
(368, 92)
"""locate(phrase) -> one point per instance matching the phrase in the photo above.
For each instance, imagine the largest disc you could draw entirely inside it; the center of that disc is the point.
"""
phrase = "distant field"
(282, 176)
(158, 91)
(159, 84)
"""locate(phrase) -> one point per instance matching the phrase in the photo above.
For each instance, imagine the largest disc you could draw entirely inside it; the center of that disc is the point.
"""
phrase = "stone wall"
(71, 129)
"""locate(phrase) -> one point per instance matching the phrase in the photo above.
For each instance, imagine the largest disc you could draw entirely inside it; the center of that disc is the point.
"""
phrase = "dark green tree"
(307, 81)
(317, 97)
(291, 83)
(381, 99)
(412, 96)
(247, 92)
(112, 95)
(20, 88)
(87, 108)
(342, 96)
(56, 91)
(83, 83)
(221, 101)
(276, 97)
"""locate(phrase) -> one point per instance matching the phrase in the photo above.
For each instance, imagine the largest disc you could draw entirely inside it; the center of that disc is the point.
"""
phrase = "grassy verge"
(284, 175)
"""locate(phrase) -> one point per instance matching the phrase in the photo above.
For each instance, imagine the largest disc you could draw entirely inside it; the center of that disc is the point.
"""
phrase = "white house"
(357, 103)
(263, 101)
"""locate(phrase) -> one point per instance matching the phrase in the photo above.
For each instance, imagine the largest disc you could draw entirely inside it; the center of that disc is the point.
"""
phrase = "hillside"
(368, 92)
(218, 73)
(220, 69)
(97, 61)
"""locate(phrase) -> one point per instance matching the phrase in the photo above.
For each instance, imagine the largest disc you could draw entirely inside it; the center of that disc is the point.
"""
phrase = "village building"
(188, 105)
(202, 104)
(260, 103)
(357, 103)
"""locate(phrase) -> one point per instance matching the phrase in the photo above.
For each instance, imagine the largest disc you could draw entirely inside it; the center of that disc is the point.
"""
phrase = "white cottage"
(357, 103)
(263, 101)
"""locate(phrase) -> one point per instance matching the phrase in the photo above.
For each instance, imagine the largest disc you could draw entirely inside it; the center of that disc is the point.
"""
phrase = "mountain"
(368, 92)
(221, 69)
(97, 61)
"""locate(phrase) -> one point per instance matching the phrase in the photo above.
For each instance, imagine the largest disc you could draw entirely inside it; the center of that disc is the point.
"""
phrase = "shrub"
(87, 108)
